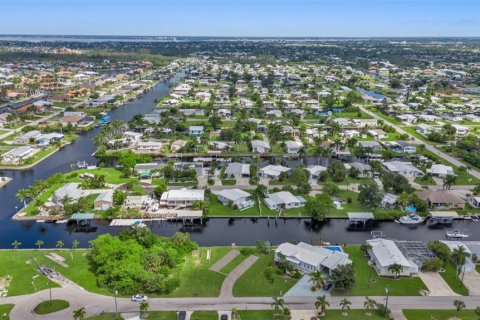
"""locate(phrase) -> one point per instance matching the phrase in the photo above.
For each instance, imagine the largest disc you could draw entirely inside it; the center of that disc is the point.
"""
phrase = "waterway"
(219, 231)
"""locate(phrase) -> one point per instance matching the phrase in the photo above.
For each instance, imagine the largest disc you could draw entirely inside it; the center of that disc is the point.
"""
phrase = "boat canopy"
(443, 214)
(82, 216)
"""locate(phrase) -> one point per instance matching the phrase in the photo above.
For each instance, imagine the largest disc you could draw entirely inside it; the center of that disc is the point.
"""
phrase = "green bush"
(432, 265)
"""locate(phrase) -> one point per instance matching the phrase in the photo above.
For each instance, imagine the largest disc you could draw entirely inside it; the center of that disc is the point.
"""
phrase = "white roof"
(274, 170)
(105, 196)
(387, 253)
(232, 194)
(237, 168)
(313, 255)
(184, 194)
(283, 197)
(396, 166)
(260, 143)
(315, 170)
(441, 169)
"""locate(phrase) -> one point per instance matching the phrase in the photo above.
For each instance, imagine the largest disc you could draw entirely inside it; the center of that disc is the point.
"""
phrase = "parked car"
(182, 315)
(224, 317)
(139, 298)
(327, 285)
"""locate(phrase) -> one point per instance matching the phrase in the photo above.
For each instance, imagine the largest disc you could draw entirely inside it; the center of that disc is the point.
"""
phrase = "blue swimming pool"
(334, 248)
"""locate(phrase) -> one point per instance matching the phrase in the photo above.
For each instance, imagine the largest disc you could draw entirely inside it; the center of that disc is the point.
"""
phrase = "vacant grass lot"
(151, 315)
(400, 287)
(256, 315)
(440, 314)
(204, 315)
(253, 282)
(233, 264)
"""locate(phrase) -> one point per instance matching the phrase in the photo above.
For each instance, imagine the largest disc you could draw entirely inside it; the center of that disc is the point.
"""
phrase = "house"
(283, 200)
(461, 131)
(293, 147)
(440, 170)
(181, 198)
(237, 170)
(385, 253)
(27, 137)
(442, 199)
(389, 200)
(364, 169)
(133, 137)
(73, 120)
(310, 258)
(177, 145)
(148, 167)
(408, 118)
(49, 138)
(235, 198)
(401, 146)
(474, 201)
(70, 190)
(315, 171)
(195, 130)
(373, 145)
(104, 200)
(135, 202)
(149, 146)
(260, 146)
(377, 133)
(272, 171)
(245, 103)
(15, 156)
(406, 169)
(425, 129)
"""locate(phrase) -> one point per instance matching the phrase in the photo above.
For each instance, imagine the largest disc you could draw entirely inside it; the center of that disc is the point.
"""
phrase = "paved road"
(429, 147)
(95, 303)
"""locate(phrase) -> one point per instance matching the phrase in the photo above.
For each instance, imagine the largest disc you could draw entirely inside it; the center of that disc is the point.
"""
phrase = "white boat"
(411, 219)
(138, 224)
(456, 234)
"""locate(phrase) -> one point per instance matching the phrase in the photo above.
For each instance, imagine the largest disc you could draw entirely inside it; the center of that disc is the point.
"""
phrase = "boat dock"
(4, 181)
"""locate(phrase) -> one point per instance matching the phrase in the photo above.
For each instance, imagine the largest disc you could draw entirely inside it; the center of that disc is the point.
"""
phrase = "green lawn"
(229, 182)
(233, 264)
(51, 306)
(400, 287)
(195, 278)
(256, 315)
(425, 181)
(162, 315)
(385, 117)
(112, 175)
(352, 314)
(5, 309)
(352, 115)
(439, 314)
(254, 283)
(477, 268)
(450, 277)
(204, 315)
(353, 206)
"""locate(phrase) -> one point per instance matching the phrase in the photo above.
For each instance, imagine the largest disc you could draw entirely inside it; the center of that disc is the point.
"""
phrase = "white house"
(310, 258)
(385, 253)
(15, 156)
(284, 200)
(293, 147)
(315, 171)
(104, 200)
(181, 198)
(272, 171)
(406, 169)
(149, 146)
(440, 170)
(70, 190)
(235, 197)
(260, 146)
(237, 170)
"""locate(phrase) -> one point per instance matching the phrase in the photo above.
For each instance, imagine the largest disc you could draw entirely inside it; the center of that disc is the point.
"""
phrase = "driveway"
(472, 282)
(226, 259)
(436, 285)
(302, 289)
(232, 277)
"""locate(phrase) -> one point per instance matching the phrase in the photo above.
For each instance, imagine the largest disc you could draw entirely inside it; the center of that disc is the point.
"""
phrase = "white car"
(139, 298)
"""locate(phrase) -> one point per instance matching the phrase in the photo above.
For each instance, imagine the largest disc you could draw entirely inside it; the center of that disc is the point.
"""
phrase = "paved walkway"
(436, 285)
(232, 277)
(226, 259)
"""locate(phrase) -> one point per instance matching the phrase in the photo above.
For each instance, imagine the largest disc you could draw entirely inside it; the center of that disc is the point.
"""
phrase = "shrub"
(432, 265)
(247, 251)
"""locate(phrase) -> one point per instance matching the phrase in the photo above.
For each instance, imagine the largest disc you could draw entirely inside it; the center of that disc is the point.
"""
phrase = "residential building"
(237, 170)
(177, 145)
(308, 258)
(293, 147)
(149, 146)
(406, 169)
(260, 146)
(385, 253)
(442, 199)
(104, 200)
(273, 171)
(195, 130)
(235, 198)
(70, 191)
(181, 198)
(284, 200)
(440, 170)
(17, 155)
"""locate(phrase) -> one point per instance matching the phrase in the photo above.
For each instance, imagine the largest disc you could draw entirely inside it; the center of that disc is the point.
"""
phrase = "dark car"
(327, 285)
(224, 317)
(182, 315)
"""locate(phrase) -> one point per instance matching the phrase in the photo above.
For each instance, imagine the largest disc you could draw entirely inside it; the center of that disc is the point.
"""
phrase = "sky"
(288, 18)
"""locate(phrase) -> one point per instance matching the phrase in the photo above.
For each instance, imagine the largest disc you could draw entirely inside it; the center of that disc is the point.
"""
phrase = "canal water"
(219, 231)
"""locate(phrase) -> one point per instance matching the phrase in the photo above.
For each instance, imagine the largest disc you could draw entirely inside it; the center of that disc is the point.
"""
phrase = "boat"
(457, 234)
(138, 224)
(82, 164)
(412, 218)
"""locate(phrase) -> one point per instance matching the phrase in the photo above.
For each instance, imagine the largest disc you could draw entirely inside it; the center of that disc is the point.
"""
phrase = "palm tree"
(322, 304)
(75, 244)
(476, 190)
(459, 257)
(369, 305)
(448, 181)
(316, 278)
(16, 244)
(79, 314)
(22, 195)
(39, 243)
(234, 313)
(277, 304)
(143, 308)
(60, 244)
(302, 153)
(459, 305)
(396, 269)
(345, 305)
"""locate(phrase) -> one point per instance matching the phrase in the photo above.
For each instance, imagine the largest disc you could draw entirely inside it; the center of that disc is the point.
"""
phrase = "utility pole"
(116, 308)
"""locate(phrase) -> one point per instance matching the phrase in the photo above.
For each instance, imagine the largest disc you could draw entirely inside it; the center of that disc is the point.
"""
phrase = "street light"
(116, 309)
(386, 302)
